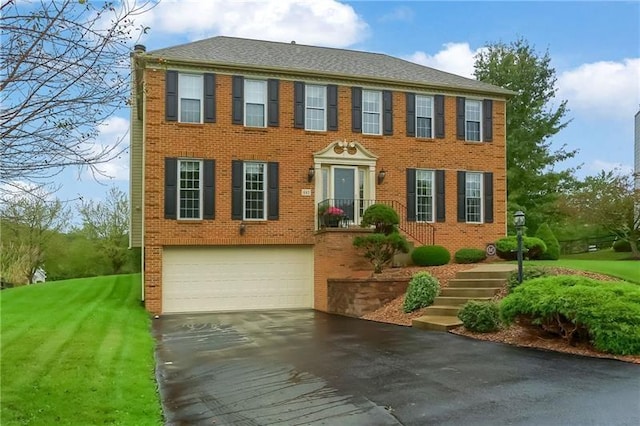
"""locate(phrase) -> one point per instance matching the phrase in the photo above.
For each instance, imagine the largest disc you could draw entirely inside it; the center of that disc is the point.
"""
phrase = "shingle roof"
(322, 60)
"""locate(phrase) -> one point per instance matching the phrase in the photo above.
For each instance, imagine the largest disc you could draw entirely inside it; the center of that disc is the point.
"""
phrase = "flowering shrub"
(334, 211)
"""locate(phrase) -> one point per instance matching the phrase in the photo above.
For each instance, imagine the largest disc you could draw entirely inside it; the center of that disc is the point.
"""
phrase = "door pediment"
(345, 152)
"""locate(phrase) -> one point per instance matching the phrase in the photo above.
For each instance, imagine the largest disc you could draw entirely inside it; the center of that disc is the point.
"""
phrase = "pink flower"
(334, 211)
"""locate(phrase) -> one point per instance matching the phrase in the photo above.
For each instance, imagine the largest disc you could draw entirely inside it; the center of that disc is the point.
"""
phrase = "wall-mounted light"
(310, 174)
(381, 176)
(243, 228)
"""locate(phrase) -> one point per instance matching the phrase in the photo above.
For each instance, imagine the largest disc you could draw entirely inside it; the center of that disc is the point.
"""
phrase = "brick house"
(237, 144)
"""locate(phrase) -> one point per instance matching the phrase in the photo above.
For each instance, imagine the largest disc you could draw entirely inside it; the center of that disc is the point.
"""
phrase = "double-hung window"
(190, 95)
(473, 197)
(424, 116)
(190, 189)
(255, 191)
(315, 108)
(473, 120)
(371, 112)
(255, 101)
(424, 195)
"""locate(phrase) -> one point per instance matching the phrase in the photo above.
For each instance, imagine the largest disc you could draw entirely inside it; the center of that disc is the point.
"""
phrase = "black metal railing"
(346, 212)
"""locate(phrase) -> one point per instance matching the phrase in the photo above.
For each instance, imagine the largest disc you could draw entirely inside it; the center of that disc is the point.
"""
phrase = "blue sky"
(594, 46)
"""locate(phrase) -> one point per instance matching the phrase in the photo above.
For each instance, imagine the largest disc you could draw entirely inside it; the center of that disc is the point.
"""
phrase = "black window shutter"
(237, 172)
(438, 101)
(332, 107)
(273, 192)
(209, 183)
(488, 197)
(462, 192)
(411, 114)
(273, 111)
(237, 113)
(487, 123)
(170, 188)
(440, 202)
(387, 110)
(411, 195)
(356, 109)
(460, 127)
(298, 105)
(171, 96)
(209, 98)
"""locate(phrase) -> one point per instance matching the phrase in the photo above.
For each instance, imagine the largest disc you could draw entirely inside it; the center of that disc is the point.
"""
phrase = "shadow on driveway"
(306, 367)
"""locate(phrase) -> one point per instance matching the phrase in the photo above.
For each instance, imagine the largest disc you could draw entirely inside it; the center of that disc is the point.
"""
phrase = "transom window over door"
(255, 98)
(255, 191)
(316, 106)
(473, 119)
(424, 195)
(190, 95)
(424, 116)
(473, 197)
(189, 189)
(371, 112)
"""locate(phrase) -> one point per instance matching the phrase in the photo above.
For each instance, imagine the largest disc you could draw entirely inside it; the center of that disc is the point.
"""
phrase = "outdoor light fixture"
(243, 228)
(381, 176)
(518, 220)
(311, 174)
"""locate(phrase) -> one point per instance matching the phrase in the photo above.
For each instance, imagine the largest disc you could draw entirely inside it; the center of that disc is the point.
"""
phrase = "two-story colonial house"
(238, 147)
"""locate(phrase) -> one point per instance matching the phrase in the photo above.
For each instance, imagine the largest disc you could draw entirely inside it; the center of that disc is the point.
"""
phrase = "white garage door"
(202, 279)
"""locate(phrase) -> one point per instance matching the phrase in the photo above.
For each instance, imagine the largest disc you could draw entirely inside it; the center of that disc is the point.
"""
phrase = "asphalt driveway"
(306, 367)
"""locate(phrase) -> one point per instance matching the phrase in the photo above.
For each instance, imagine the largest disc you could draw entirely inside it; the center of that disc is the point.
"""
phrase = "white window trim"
(380, 112)
(324, 108)
(200, 188)
(432, 116)
(433, 195)
(201, 98)
(479, 101)
(264, 102)
(244, 192)
(466, 211)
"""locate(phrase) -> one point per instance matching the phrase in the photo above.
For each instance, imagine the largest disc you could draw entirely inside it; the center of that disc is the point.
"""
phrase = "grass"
(608, 254)
(628, 270)
(77, 352)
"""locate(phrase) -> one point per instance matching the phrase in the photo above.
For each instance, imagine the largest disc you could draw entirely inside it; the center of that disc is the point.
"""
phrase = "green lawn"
(77, 352)
(628, 270)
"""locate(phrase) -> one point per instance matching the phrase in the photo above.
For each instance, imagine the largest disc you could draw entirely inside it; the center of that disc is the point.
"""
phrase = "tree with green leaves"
(107, 224)
(532, 178)
(610, 201)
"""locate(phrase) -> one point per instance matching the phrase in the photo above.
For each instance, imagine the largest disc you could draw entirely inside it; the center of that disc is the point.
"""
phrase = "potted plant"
(333, 216)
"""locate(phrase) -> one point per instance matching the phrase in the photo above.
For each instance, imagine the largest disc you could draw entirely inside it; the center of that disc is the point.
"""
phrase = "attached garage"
(204, 279)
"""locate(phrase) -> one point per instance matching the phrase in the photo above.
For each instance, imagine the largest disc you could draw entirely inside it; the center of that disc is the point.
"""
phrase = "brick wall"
(293, 149)
(356, 297)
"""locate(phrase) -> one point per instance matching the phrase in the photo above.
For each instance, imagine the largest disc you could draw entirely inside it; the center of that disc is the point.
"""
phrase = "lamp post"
(518, 219)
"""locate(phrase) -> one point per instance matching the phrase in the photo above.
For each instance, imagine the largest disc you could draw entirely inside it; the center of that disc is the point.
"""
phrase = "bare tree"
(107, 223)
(64, 73)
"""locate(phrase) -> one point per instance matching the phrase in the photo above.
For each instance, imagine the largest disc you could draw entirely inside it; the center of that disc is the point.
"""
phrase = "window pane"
(315, 96)
(189, 190)
(424, 106)
(423, 127)
(190, 110)
(190, 94)
(254, 191)
(371, 101)
(473, 131)
(472, 110)
(255, 115)
(314, 119)
(424, 195)
(473, 114)
(473, 192)
(255, 91)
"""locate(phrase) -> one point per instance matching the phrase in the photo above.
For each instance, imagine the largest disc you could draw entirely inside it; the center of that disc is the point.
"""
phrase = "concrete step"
(442, 310)
(456, 301)
(436, 322)
(476, 282)
(476, 274)
(469, 292)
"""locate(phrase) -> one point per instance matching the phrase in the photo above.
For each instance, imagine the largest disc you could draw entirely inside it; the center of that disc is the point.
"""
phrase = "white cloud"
(604, 89)
(456, 58)
(401, 13)
(607, 166)
(317, 22)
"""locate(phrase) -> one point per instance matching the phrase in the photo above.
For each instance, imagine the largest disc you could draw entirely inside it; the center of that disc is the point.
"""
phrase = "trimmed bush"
(622, 246)
(482, 317)
(579, 309)
(470, 255)
(422, 291)
(430, 256)
(528, 273)
(545, 233)
(507, 248)
(382, 217)
(379, 249)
